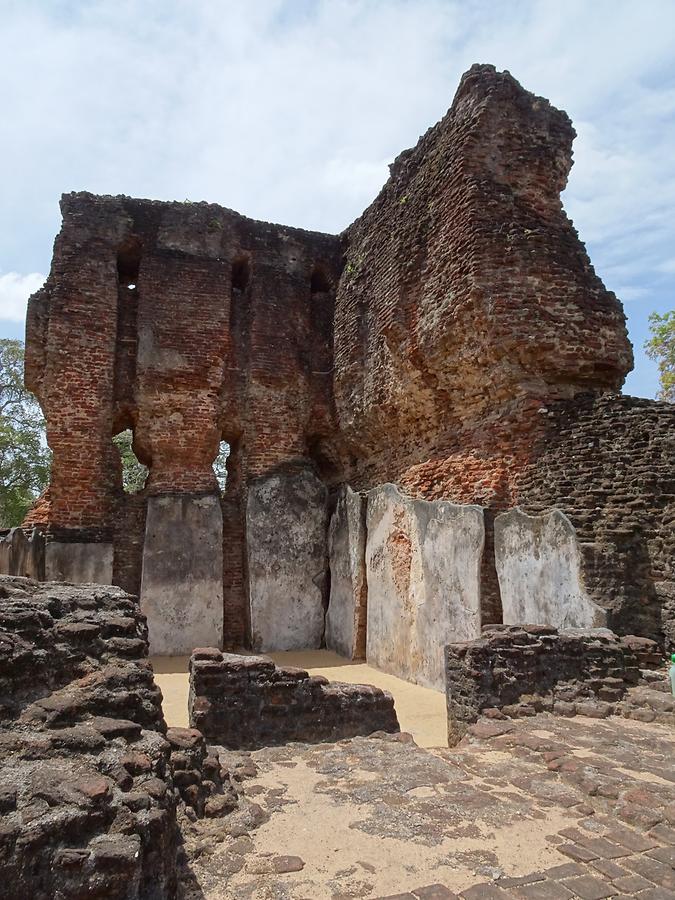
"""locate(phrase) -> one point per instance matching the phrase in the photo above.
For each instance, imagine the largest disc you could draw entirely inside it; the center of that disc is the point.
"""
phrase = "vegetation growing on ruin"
(24, 457)
(661, 347)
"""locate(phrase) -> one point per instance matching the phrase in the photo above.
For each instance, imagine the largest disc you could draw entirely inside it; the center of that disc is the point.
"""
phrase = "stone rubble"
(92, 785)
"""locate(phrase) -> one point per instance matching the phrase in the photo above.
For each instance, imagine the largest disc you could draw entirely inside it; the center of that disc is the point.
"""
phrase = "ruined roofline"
(485, 75)
(482, 80)
(484, 86)
(70, 199)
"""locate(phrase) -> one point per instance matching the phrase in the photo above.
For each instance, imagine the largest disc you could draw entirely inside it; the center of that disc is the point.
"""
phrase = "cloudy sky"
(290, 111)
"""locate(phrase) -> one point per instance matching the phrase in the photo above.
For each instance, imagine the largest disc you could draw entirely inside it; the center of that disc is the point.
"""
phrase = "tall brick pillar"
(71, 336)
(182, 337)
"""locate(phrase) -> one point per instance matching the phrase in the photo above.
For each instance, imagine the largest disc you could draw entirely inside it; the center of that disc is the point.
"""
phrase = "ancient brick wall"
(207, 326)
(244, 702)
(524, 669)
(70, 351)
(466, 301)
(609, 464)
(429, 345)
(128, 538)
(467, 297)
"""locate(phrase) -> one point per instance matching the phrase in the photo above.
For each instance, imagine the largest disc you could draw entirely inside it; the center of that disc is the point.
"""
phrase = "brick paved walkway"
(618, 770)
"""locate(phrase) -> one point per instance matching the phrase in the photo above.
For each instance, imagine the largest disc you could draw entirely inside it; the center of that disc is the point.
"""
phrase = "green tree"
(661, 347)
(24, 456)
(134, 472)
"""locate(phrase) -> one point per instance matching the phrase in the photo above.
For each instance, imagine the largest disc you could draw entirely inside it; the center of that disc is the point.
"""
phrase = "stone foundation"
(244, 702)
(79, 563)
(423, 567)
(521, 670)
(182, 580)
(539, 569)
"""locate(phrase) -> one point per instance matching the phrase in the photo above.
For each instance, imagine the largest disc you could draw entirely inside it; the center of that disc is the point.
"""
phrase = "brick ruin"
(453, 343)
(245, 702)
(94, 788)
(520, 670)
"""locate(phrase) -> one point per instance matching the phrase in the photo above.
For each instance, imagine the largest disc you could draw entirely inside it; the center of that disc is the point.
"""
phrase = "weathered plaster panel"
(539, 570)
(79, 563)
(286, 537)
(6, 555)
(182, 580)
(23, 555)
(423, 568)
(346, 616)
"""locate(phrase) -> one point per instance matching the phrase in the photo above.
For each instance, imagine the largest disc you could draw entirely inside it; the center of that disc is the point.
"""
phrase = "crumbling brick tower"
(438, 343)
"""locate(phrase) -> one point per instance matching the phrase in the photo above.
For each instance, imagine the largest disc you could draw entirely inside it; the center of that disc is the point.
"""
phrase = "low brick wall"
(244, 702)
(523, 669)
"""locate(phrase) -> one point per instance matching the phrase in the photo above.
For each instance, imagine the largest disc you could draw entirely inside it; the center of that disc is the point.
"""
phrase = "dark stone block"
(90, 807)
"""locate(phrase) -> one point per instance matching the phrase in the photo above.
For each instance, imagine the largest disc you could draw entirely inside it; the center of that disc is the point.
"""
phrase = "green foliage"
(134, 472)
(661, 347)
(24, 457)
(353, 266)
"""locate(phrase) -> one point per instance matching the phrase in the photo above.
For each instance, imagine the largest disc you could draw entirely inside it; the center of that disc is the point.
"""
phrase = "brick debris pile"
(91, 780)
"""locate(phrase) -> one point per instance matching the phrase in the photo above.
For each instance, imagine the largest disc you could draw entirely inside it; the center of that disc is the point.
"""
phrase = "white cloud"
(667, 266)
(15, 289)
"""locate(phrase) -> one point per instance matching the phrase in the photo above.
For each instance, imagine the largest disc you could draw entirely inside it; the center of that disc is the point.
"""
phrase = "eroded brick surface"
(93, 786)
(523, 669)
(245, 702)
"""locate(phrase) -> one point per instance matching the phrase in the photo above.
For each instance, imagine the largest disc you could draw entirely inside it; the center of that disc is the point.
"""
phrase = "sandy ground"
(396, 837)
(421, 711)
(371, 817)
(171, 674)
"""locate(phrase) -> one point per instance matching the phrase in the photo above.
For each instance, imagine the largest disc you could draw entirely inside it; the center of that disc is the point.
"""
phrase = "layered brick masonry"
(245, 702)
(520, 670)
(609, 463)
(95, 791)
(92, 784)
(455, 341)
